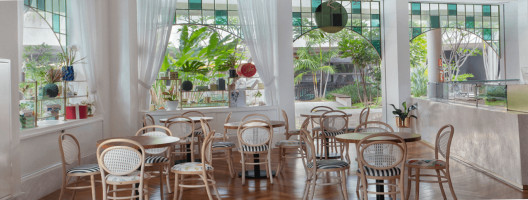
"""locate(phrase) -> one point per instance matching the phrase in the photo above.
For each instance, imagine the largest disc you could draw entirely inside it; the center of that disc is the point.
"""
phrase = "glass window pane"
(416, 8)
(461, 9)
(374, 8)
(486, 10)
(375, 20)
(220, 4)
(56, 23)
(365, 8)
(315, 4)
(356, 7)
(435, 22)
(208, 4)
(486, 34)
(452, 9)
(470, 22)
(434, 9)
(195, 4)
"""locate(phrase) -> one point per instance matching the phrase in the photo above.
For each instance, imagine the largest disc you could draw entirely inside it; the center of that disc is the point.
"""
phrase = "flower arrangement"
(68, 57)
(171, 94)
(404, 114)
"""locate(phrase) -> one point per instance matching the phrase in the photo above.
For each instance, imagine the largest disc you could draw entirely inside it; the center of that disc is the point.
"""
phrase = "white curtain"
(84, 37)
(154, 18)
(258, 21)
(491, 63)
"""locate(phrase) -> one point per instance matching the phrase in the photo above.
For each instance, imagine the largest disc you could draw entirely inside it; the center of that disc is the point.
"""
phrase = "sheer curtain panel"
(154, 18)
(258, 21)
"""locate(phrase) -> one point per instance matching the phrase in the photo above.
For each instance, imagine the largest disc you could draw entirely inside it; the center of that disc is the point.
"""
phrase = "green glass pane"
(356, 7)
(315, 4)
(296, 19)
(416, 9)
(435, 21)
(486, 34)
(452, 9)
(377, 45)
(357, 29)
(486, 10)
(195, 4)
(416, 32)
(41, 5)
(375, 20)
(221, 17)
(26, 2)
(470, 22)
(56, 23)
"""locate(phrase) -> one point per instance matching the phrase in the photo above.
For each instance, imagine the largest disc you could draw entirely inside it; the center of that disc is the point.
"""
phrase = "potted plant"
(171, 98)
(257, 95)
(67, 59)
(191, 68)
(51, 89)
(403, 119)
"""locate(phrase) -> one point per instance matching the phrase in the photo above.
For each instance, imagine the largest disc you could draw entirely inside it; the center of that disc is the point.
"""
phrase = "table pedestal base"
(259, 174)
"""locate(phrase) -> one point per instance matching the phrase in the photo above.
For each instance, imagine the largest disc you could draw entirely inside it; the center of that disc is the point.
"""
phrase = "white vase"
(172, 105)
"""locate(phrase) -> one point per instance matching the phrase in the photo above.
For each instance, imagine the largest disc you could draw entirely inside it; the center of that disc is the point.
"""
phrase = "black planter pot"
(51, 90)
(187, 85)
(232, 73)
(221, 84)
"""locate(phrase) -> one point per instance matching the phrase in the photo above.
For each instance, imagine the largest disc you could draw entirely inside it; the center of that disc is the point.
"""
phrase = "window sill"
(58, 125)
(211, 110)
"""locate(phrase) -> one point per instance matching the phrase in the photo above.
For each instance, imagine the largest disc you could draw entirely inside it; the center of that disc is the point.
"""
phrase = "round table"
(356, 137)
(194, 119)
(274, 124)
(148, 142)
(256, 173)
(319, 114)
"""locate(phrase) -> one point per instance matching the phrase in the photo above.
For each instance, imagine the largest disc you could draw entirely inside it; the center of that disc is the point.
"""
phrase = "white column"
(284, 71)
(434, 51)
(11, 20)
(122, 26)
(396, 84)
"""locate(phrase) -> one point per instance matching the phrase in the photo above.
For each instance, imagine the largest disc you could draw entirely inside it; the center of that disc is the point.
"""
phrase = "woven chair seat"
(255, 148)
(134, 176)
(424, 162)
(328, 164)
(395, 171)
(190, 167)
(223, 144)
(333, 133)
(155, 159)
(81, 169)
(289, 143)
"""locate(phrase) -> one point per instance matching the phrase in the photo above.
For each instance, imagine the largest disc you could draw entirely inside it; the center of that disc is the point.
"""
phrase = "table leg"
(256, 173)
(380, 188)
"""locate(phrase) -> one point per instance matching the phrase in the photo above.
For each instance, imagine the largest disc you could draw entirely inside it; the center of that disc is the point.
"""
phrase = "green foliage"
(463, 77)
(359, 49)
(419, 78)
(402, 114)
(495, 91)
(418, 51)
(352, 91)
(37, 62)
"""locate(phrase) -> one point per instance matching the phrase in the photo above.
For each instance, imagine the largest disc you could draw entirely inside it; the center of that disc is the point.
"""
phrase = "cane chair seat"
(132, 177)
(84, 169)
(191, 167)
(223, 144)
(289, 143)
(328, 164)
(395, 171)
(262, 148)
(426, 163)
(156, 159)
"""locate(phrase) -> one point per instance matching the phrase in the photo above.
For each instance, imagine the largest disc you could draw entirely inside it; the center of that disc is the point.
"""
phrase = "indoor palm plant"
(403, 119)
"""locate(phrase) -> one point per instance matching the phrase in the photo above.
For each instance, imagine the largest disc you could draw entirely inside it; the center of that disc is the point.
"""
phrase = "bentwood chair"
(371, 127)
(197, 127)
(315, 168)
(382, 160)
(288, 145)
(183, 128)
(123, 166)
(158, 158)
(333, 123)
(316, 128)
(441, 166)
(363, 116)
(204, 170)
(222, 148)
(255, 135)
(71, 156)
(148, 120)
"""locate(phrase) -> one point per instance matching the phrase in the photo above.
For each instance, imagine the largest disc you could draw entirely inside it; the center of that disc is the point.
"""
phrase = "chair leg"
(161, 180)
(207, 189)
(64, 182)
(269, 167)
(343, 184)
(167, 178)
(392, 188)
(409, 174)
(314, 182)
(358, 185)
(181, 188)
(230, 163)
(364, 187)
(401, 186)
(146, 192)
(440, 183)
(214, 186)
(417, 183)
(243, 160)
(176, 185)
(114, 187)
(448, 175)
(92, 184)
(281, 157)
(306, 188)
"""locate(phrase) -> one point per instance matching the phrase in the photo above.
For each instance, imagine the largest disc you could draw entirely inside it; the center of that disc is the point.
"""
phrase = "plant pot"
(68, 74)
(173, 75)
(403, 124)
(187, 86)
(172, 105)
(233, 73)
(51, 90)
(221, 84)
(213, 86)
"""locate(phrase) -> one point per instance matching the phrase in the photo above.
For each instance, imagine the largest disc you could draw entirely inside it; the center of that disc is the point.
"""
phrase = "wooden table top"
(147, 141)
(356, 137)
(195, 119)
(319, 114)
(274, 124)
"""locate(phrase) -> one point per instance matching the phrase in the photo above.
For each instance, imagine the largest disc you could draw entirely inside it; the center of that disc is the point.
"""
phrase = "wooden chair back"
(120, 160)
(255, 116)
(148, 120)
(287, 126)
(443, 142)
(181, 126)
(363, 116)
(154, 130)
(255, 133)
(70, 150)
(382, 154)
(373, 127)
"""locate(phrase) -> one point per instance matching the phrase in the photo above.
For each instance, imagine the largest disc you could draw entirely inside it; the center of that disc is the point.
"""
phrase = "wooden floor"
(468, 183)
